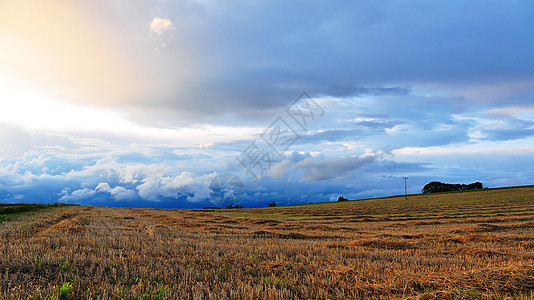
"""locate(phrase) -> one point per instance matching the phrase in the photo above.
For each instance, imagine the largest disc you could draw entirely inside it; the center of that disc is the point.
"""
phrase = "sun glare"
(39, 113)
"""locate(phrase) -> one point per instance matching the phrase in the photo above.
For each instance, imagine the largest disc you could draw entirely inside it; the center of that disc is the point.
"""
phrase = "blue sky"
(152, 103)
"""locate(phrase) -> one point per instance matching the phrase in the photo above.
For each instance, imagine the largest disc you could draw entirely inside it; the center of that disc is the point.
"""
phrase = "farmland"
(471, 245)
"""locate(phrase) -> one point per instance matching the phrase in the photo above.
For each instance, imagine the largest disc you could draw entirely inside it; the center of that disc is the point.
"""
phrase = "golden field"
(468, 245)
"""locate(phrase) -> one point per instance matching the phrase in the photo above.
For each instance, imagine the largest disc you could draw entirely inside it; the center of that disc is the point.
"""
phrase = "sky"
(196, 103)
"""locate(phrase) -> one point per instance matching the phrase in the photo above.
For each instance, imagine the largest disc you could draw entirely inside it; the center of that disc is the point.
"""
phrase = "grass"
(472, 245)
(61, 292)
(10, 211)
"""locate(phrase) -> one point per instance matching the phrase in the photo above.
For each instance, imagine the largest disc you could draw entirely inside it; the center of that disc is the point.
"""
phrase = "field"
(469, 245)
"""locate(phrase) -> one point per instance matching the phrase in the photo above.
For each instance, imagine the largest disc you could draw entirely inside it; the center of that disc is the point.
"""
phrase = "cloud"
(77, 195)
(280, 169)
(103, 187)
(17, 140)
(119, 193)
(195, 189)
(245, 58)
(511, 129)
(331, 135)
(255, 65)
(317, 169)
(159, 25)
(331, 168)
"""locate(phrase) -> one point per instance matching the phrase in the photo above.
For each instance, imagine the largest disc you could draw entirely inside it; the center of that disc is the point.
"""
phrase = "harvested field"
(470, 245)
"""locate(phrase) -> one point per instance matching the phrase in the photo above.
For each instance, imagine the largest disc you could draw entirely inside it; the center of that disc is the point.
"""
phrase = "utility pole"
(405, 188)
(259, 200)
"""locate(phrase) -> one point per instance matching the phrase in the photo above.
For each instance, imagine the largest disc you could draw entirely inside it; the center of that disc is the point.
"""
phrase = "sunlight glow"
(36, 112)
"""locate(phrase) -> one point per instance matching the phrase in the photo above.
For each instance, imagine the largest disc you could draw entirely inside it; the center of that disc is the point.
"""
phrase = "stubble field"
(470, 245)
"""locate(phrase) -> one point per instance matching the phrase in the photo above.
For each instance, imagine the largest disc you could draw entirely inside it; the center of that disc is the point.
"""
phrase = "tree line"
(437, 187)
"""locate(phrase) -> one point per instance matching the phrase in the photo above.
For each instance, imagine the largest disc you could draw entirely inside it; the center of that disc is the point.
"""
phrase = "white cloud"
(77, 195)
(103, 187)
(186, 184)
(160, 25)
(149, 189)
(120, 193)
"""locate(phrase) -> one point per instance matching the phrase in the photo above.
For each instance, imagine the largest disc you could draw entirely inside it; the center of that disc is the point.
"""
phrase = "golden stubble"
(472, 245)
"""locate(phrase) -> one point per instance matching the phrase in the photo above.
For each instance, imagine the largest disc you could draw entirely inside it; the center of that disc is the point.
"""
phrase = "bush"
(341, 198)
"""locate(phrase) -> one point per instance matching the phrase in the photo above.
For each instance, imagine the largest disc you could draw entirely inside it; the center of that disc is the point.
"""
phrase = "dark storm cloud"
(331, 168)
(258, 55)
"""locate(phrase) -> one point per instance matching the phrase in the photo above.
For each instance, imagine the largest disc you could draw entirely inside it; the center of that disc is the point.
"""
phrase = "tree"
(272, 204)
(341, 198)
(232, 206)
(439, 187)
